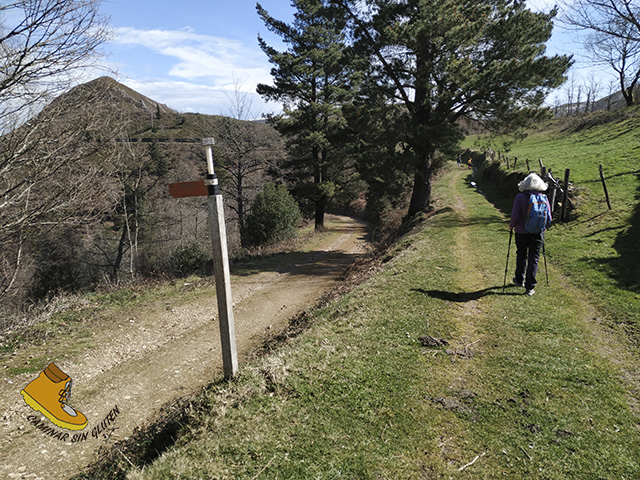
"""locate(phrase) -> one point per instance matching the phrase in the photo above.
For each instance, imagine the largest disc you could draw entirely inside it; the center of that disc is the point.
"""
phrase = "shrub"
(58, 264)
(274, 217)
(188, 259)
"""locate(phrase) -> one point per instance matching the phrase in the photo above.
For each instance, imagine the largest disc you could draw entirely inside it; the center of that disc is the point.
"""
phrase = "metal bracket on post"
(212, 180)
(221, 267)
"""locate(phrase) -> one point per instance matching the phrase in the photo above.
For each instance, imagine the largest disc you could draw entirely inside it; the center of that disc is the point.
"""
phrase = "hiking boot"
(49, 394)
(516, 283)
(531, 292)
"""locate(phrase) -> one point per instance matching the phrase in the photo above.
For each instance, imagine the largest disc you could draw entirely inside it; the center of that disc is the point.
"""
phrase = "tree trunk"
(318, 178)
(240, 202)
(320, 209)
(421, 196)
(627, 91)
(119, 255)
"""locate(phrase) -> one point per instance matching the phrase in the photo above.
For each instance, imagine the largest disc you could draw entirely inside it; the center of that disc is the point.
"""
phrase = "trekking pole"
(507, 267)
(544, 255)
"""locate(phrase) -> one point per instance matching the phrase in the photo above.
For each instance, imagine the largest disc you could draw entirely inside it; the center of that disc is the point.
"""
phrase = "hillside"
(98, 160)
(615, 101)
(597, 245)
(116, 95)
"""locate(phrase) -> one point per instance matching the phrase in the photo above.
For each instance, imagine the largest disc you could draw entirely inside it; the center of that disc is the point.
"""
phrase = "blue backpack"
(537, 213)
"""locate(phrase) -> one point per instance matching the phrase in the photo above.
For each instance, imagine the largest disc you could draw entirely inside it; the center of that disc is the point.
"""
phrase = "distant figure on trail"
(469, 163)
(530, 216)
(459, 160)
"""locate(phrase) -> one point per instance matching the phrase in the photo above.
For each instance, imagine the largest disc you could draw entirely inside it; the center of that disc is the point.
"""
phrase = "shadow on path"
(468, 296)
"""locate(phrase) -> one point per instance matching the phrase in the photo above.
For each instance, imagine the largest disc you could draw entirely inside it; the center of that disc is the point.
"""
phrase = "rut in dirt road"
(153, 355)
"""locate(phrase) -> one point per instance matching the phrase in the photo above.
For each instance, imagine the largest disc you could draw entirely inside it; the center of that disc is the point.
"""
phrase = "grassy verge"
(524, 387)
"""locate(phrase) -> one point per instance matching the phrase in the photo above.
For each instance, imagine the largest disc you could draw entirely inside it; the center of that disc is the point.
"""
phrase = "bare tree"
(571, 87)
(578, 101)
(615, 41)
(42, 54)
(605, 16)
(42, 182)
(248, 149)
(49, 175)
(622, 54)
(137, 169)
(612, 88)
(593, 90)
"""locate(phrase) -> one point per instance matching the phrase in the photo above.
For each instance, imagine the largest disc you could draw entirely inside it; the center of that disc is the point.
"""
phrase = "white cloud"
(200, 56)
(200, 67)
(197, 98)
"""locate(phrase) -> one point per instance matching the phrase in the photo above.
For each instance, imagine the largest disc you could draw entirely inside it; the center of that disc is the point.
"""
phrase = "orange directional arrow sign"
(188, 189)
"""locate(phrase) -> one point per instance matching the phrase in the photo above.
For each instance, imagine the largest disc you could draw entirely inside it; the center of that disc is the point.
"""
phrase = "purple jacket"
(519, 212)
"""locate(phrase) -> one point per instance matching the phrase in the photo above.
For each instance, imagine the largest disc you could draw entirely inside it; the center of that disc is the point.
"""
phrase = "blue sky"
(193, 54)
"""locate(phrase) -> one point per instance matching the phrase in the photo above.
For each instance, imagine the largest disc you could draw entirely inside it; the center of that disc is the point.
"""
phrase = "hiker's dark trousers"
(528, 252)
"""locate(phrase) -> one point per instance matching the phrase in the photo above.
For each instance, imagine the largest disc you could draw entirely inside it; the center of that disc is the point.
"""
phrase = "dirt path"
(471, 280)
(156, 354)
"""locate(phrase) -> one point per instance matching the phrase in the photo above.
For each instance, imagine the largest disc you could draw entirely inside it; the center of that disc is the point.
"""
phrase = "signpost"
(188, 189)
(211, 189)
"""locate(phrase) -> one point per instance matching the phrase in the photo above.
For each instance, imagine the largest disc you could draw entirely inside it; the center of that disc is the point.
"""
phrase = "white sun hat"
(532, 183)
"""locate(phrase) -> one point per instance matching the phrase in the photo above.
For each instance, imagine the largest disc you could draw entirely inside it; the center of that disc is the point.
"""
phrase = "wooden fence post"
(604, 185)
(515, 162)
(540, 162)
(554, 190)
(527, 161)
(565, 198)
(508, 167)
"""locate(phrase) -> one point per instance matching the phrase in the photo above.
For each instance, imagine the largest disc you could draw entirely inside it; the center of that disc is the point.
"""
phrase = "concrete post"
(221, 267)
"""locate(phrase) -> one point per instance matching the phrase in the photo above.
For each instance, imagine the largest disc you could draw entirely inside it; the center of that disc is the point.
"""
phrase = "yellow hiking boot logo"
(49, 394)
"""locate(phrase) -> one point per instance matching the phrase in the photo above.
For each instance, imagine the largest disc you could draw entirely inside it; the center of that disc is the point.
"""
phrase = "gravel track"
(152, 355)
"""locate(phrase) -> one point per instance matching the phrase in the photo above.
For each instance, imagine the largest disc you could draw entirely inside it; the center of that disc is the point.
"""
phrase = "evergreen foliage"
(395, 79)
(381, 164)
(445, 60)
(187, 259)
(274, 216)
(313, 78)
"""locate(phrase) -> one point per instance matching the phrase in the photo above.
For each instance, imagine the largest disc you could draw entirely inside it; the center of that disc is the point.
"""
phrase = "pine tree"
(444, 60)
(312, 79)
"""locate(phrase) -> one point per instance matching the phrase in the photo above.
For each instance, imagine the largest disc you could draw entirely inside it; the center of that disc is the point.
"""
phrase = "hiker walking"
(530, 216)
